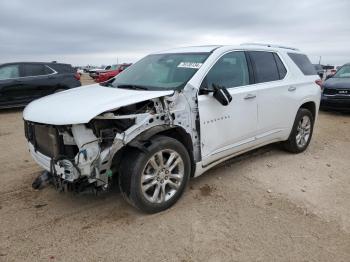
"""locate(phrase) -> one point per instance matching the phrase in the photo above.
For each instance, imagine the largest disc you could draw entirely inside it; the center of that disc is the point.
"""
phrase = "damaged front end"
(82, 155)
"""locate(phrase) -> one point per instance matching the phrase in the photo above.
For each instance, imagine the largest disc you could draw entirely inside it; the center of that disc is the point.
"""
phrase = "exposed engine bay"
(86, 155)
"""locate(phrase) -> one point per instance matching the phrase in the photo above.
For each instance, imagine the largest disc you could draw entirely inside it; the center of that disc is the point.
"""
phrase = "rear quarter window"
(34, 70)
(62, 68)
(303, 62)
(281, 68)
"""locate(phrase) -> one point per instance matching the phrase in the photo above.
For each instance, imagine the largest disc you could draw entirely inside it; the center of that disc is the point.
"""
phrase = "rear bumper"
(335, 102)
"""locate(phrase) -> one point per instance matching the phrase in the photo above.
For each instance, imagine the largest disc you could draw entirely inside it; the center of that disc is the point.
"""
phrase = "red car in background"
(115, 70)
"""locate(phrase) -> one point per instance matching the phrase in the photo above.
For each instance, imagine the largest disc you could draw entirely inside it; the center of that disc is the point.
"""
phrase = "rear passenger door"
(276, 106)
(39, 80)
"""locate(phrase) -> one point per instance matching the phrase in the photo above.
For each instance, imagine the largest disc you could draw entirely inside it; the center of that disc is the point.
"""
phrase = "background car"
(336, 90)
(115, 70)
(80, 71)
(94, 72)
(21, 83)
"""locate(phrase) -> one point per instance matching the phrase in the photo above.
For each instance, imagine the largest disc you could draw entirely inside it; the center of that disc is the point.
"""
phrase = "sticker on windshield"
(190, 65)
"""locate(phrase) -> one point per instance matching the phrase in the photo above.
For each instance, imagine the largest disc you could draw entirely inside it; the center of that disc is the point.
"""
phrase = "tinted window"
(303, 62)
(265, 68)
(281, 68)
(229, 71)
(34, 70)
(318, 67)
(10, 71)
(62, 68)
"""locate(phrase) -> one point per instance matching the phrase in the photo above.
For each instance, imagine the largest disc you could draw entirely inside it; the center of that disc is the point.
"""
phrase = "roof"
(270, 45)
(191, 49)
(211, 48)
(38, 63)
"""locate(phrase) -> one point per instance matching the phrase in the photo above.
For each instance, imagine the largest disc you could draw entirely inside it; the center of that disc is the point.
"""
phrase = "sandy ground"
(267, 205)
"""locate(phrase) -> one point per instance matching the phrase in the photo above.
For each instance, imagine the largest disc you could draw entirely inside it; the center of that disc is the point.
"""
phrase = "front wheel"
(154, 180)
(301, 134)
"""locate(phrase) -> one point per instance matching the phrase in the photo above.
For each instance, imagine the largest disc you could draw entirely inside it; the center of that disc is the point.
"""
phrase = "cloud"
(100, 31)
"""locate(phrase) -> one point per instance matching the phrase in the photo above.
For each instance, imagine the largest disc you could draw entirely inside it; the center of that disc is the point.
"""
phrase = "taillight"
(77, 76)
(319, 82)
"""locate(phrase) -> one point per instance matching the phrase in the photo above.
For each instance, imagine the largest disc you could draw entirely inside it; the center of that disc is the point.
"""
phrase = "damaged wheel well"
(143, 141)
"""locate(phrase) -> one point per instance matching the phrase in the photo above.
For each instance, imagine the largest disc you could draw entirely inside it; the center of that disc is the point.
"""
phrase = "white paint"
(225, 131)
(80, 105)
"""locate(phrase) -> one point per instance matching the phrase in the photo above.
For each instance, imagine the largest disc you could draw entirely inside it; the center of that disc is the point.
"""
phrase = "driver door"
(226, 130)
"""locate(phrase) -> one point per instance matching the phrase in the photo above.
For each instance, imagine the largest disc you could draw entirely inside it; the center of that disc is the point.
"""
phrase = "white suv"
(172, 116)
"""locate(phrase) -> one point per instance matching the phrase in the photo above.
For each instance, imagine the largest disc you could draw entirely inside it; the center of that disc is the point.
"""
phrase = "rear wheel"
(301, 134)
(154, 180)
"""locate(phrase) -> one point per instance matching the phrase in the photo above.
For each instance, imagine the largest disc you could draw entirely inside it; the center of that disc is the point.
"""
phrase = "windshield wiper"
(134, 87)
(108, 83)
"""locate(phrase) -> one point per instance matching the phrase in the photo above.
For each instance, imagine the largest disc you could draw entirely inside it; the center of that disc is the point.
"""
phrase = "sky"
(109, 32)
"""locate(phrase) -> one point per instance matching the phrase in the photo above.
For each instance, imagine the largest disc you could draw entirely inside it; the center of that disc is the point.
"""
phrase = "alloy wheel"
(303, 131)
(162, 176)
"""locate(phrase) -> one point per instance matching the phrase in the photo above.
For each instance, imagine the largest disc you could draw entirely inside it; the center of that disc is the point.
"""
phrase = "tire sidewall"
(136, 195)
(292, 139)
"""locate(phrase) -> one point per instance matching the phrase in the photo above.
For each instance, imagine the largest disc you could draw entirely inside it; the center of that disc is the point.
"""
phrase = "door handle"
(250, 96)
(292, 88)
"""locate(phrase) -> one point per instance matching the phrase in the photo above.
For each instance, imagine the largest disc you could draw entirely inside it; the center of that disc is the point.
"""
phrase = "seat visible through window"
(230, 70)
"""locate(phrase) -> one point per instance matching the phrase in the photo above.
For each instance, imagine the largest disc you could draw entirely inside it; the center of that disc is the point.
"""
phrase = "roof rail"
(269, 45)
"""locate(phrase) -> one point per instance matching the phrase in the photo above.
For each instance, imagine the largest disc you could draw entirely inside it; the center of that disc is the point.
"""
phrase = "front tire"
(301, 134)
(153, 180)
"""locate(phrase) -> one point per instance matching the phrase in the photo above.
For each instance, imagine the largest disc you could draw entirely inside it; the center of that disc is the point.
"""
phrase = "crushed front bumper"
(42, 160)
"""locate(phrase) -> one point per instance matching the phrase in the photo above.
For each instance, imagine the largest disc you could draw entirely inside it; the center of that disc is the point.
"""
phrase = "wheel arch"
(143, 140)
(311, 106)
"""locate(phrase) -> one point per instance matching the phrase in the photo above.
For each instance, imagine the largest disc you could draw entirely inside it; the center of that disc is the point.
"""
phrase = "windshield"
(160, 71)
(113, 67)
(343, 72)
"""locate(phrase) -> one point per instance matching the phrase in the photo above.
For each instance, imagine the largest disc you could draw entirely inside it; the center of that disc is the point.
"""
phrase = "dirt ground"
(267, 205)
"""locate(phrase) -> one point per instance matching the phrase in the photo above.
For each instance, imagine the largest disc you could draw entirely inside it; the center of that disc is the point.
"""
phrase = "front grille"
(336, 91)
(45, 138)
(328, 91)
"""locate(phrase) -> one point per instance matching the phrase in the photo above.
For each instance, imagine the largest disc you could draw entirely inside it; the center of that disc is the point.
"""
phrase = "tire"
(150, 184)
(301, 133)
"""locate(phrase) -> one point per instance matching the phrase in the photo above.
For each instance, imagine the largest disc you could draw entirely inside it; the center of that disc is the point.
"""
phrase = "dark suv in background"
(21, 83)
(336, 90)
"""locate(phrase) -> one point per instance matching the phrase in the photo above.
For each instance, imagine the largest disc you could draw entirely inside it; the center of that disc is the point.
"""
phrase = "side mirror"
(222, 95)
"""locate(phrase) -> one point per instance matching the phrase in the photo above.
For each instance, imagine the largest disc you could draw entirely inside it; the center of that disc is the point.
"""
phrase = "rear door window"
(9, 72)
(303, 62)
(34, 70)
(265, 67)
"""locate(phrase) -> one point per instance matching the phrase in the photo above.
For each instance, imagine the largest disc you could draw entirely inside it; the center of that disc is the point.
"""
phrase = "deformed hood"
(337, 83)
(80, 105)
